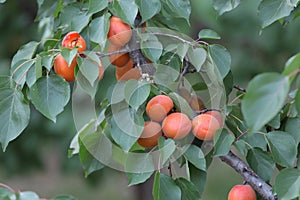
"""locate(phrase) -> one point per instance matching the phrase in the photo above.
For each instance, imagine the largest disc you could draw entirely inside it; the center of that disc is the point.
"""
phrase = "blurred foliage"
(252, 50)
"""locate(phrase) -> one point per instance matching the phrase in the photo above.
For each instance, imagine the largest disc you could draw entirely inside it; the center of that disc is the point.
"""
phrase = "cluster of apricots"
(119, 35)
(177, 125)
(242, 192)
(61, 68)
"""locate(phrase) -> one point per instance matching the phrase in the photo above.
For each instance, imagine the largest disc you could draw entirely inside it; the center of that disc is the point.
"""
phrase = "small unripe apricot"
(176, 125)
(205, 126)
(242, 192)
(158, 107)
(119, 32)
(150, 135)
(62, 69)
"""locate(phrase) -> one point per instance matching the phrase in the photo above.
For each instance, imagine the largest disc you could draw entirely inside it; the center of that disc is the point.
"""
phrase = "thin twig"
(101, 54)
(239, 88)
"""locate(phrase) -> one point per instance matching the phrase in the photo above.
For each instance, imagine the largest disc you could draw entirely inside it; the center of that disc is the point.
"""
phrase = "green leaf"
(118, 93)
(14, 115)
(271, 10)
(223, 6)
(222, 142)
(5, 193)
(283, 148)
(265, 97)
(69, 54)
(139, 163)
(261, 162)
(221, 58)
(166, 149)
(208, 34)
(136, 92)
(137, 178)
(292, 126)
(95, 151)
(49, 95)
(198, 177)
(85, 84)
(96, 6)
(291, 66)
(197, 57)
(90, 70)
(125, 9)
(178, 8)
(34, 72)
(297, 101)
(181, 104)
(165, 188)
(63, 197)
(151, 47)
(148, 8)
(2, 1)
(28, 195)
(188, 189)
(166, 76)
(287, 184)
(126, 127)
(98, 29)
(195, 156)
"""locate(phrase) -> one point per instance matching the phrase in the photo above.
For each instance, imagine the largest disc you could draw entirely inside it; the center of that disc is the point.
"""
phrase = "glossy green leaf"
(34, 72)
(178, 8)
(151, 47)
(195, 156)
(222, 6)
(197, 177)
(118, 94)
(69, 54)
(188, 190)
(272, 10)
(256, 140)
(292, 126)
(126, 127)
(222, 142)
(291, 66)
(136, 92)
(137, 178)
(47, 8)
(221, 57)
(283, 148)
(197, 57)
(22, 70)
(165, 188)
(98, 29)
(261, 162)
(148, 8)
(125, 9)
(266, 94)
(49, 95)
(85, 84)
(14, 115)
(181, 104)
(166, 76)
(63, 197)
(28, 195)
(90, 70)
(166, 149)
(208, 34)
(96, 6)
(287, 184)
(94, 148)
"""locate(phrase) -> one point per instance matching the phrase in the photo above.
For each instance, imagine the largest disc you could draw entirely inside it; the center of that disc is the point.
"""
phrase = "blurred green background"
(37, 160)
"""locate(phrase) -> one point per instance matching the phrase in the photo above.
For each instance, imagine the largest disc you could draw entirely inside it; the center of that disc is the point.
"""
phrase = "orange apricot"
(150, 135)
(176, 125)
(205, 126)
(119, 32)
(62, 69)
(74, 39)
(119, 59)
(217, 115)
(242, 192)
(158, 107)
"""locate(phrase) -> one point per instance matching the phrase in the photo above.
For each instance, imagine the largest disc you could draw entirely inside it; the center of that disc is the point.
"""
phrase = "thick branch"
(249, 176)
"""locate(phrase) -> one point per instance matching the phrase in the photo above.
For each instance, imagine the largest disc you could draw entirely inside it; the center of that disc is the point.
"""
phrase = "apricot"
(62, 69)
(150, 135)
(119, 32)
(74, 39)
(128, 72)
(205, 126)
(176, 125)
(217, 115)
(119, 59)
(242, 192)
(158, 107)
(196, 103)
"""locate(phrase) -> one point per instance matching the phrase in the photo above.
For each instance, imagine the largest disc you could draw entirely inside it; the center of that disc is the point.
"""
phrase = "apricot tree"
(147, 99)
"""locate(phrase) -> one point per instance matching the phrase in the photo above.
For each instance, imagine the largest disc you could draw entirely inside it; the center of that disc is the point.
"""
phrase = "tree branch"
(249, 176)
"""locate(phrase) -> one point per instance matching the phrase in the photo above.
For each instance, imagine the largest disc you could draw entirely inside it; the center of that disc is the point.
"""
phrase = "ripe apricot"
(217, 115)
(176, 125)
(242, 192)
(158, 107)
(196, 103)
(150, 135)
(62, 69)
(205, 126)
(128, 72)
(74, 39)
(119, 32)
(119, 59)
